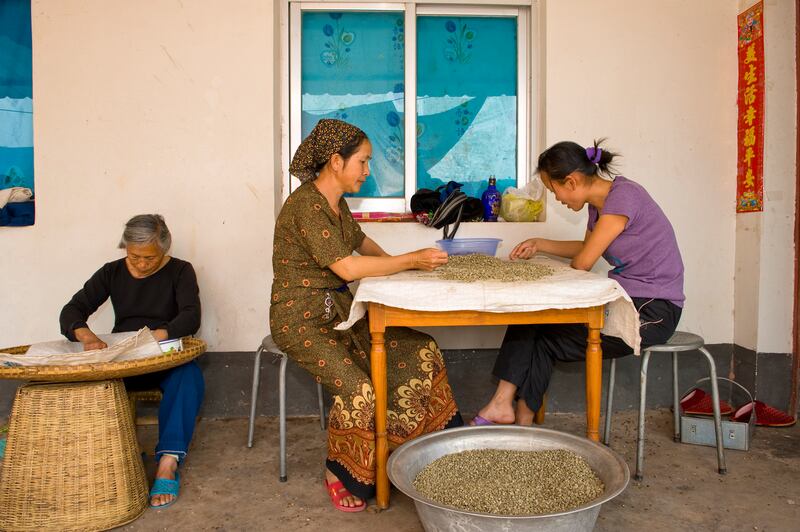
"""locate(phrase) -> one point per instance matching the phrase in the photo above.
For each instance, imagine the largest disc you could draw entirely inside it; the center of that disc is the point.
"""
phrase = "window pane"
(466, 101)
(352, 69)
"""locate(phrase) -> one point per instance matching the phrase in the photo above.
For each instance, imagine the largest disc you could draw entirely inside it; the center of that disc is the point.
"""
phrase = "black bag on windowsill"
(456, 208)
(425, 200)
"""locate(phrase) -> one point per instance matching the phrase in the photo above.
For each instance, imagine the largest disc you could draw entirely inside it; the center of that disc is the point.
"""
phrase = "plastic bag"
(523, 204)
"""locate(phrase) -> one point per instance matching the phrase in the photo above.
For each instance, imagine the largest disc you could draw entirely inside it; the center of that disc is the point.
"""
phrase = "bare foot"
(352, 501)
(167, 466)
(524, 414)
(500, 408)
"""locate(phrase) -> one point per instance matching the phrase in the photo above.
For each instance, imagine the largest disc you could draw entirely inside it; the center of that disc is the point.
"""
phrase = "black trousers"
(529, 352)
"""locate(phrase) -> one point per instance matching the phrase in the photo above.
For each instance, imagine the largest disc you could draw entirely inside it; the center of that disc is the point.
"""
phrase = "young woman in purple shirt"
(628, 229)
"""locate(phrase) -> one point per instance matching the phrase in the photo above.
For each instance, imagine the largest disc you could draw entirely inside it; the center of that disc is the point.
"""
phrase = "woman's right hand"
(89, 340)
(428, 259)
(525, 249)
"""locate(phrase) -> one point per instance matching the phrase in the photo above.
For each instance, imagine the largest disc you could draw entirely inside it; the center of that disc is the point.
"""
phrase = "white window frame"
(528, 61)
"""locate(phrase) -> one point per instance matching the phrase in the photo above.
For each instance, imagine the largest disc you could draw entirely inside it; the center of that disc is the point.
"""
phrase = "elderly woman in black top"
(149, 288)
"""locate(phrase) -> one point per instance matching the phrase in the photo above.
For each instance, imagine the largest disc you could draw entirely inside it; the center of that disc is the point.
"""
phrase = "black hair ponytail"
(563, 158)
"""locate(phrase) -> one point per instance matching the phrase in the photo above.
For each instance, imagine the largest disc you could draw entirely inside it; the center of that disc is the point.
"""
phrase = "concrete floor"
(229, 487)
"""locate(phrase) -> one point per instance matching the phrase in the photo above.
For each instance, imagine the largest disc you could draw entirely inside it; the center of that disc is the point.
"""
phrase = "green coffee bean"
(507, 482)
(471, 268)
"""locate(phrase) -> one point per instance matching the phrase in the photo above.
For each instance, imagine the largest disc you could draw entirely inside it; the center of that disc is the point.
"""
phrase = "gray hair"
(146, 229)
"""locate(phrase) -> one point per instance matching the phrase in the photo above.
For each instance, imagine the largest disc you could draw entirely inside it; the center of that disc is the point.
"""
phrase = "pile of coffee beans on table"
(471, 268)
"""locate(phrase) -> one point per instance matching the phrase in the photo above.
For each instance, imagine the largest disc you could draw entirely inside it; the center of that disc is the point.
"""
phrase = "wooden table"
(382, 316)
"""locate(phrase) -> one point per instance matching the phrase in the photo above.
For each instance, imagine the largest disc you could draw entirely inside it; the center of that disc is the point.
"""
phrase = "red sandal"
(766, 416)
(337, 492)
(698, 402)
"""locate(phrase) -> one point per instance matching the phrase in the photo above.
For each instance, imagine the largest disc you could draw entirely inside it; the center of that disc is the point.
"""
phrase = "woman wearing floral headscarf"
(315, 236)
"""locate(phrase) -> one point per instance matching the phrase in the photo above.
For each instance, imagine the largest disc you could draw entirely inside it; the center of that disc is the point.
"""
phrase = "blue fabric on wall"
(18, 214)
(16, 105)
(16, 167)
(16, 79)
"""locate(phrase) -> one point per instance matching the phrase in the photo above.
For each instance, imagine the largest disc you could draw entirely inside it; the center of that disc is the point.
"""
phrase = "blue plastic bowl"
(469, 246)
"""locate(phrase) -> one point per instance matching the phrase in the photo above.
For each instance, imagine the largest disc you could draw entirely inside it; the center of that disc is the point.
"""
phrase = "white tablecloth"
(566, 288)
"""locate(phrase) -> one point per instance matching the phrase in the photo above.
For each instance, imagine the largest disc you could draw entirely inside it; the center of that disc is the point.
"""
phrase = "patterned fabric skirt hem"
(364, 488)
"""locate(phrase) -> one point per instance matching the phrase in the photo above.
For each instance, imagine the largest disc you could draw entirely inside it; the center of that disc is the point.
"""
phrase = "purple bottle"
(491, 201)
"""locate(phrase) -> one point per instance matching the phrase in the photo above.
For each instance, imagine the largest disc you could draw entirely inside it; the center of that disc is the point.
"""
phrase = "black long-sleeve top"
(168, 299)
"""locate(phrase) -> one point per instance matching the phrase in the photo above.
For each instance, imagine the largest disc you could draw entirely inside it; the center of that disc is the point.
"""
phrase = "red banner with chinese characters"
(750, 103)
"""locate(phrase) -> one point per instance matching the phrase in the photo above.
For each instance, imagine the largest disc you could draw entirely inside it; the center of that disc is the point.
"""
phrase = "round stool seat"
(269, 345)
(680, 341)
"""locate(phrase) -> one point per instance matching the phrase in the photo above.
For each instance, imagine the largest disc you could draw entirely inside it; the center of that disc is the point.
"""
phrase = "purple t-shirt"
(645, 256)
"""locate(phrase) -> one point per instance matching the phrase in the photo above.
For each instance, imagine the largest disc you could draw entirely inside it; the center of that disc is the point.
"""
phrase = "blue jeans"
(183, 388)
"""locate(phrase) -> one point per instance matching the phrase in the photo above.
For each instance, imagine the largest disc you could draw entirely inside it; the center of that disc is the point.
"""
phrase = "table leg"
(378, 364)
(539, 417)
(594, 382)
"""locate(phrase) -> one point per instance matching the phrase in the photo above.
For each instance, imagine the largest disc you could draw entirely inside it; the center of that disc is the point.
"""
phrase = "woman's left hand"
(160, 335)
(428, 259)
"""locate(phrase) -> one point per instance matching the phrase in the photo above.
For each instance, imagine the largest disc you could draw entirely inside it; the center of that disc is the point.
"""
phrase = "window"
(441, 91)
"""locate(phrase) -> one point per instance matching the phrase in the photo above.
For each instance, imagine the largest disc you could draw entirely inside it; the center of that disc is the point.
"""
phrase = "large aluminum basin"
(411, 457)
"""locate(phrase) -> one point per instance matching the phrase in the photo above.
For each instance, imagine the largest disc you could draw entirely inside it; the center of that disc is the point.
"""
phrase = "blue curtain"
(466, 101)
(352, 69)
(16, 106)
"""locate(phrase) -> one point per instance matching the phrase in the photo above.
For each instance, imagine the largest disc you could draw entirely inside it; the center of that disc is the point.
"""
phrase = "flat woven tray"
(192, 348)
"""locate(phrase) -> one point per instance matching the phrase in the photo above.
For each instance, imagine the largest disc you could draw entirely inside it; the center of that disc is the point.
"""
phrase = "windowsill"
(397, 217)
(367, 217)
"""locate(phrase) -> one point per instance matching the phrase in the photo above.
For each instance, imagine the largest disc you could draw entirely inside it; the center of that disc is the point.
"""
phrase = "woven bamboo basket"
(72, 461)
(192, 348)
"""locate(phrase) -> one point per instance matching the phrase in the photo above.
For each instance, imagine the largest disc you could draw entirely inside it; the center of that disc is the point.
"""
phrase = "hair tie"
(594, 154)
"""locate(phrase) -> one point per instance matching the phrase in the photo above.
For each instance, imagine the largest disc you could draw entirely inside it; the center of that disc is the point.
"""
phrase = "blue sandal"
(165, 486)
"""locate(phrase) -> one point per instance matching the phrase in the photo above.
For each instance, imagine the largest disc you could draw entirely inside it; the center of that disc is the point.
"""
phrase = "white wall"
(765, 241)
(658, 78)
(149, 106)
(168, 107)
(776, 284)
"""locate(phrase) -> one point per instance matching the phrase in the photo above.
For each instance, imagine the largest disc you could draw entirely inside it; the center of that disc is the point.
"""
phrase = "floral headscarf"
(328, 137)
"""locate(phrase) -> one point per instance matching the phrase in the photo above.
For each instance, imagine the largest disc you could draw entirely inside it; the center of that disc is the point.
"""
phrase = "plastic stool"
(680, 341)
(267, 345)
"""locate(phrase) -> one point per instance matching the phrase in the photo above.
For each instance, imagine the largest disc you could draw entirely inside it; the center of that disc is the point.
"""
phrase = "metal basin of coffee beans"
(506, 477)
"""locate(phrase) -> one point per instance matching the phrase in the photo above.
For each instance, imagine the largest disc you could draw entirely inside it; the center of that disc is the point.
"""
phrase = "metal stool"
(267, 345)
(680, 341)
